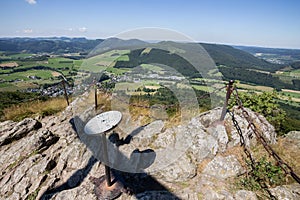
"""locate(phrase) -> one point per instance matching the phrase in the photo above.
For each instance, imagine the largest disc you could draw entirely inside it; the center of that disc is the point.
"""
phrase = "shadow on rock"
(129, 171)
(75, 180)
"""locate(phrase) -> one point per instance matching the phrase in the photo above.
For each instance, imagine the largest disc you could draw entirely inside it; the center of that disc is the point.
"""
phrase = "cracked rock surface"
(46, 159)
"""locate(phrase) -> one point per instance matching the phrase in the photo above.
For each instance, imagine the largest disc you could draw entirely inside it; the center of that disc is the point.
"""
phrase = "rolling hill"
(221, 54)
(48, 45)
(236, 58)
(233, 63)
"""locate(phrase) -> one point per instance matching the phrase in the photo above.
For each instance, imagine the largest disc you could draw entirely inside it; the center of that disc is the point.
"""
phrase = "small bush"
(264, 174)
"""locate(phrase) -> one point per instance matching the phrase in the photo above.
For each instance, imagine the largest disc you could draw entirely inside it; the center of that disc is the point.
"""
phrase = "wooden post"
(65, 91)
(228, 93)
(95, 91)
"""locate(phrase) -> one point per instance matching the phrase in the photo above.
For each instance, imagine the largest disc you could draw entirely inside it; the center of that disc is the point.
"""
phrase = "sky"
(266, 23)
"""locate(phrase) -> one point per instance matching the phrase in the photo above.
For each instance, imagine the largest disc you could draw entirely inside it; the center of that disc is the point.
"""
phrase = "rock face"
(294, 136)
(291, 192)
(224, 167)
(11, 131)
(47, 160)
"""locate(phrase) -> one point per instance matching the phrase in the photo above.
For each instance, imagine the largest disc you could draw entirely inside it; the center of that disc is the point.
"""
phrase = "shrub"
(262, 176)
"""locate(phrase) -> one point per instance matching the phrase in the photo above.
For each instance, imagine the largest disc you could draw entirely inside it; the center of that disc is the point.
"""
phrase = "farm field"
(255, 87)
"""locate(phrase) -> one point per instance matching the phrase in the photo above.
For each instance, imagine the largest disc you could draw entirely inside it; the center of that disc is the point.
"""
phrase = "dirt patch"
(9, 65)
(294, 91)
(56, 74)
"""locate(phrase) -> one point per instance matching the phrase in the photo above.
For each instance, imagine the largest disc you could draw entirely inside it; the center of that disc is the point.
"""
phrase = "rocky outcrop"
(291, 192)
(47, 160)
(294, 136)
(11, 131)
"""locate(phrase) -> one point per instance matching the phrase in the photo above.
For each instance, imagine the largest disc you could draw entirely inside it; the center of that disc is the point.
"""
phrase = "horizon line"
(96, 38)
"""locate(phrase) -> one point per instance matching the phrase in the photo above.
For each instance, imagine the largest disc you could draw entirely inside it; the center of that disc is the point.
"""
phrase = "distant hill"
(236, 58)
(48, 45)
(280, 51)
(221, 54)
(284, 56)
(233, 62)
(116, 43)
(136, 57)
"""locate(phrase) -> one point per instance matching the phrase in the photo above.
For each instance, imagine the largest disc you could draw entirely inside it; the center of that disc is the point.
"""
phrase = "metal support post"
(228, 93)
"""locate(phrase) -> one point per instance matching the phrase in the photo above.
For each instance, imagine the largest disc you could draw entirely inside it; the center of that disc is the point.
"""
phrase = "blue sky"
(269, 23)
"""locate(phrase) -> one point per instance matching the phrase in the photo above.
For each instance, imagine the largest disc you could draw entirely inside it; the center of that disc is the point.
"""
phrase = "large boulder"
(261, 124)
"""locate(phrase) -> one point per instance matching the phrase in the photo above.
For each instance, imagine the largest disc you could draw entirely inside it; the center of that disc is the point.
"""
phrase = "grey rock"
(15, 131)
(6, 126)
(224, 167)
(151, 195)
(145, 135)
(245, 195)
(290, 192)
(215, 195)
(179, 171)
(294, 135)
(51, 162)
(219, 132)
(210, 187)
(261, 124)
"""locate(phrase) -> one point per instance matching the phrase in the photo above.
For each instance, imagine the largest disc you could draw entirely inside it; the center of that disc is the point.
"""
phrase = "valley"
(143, 71)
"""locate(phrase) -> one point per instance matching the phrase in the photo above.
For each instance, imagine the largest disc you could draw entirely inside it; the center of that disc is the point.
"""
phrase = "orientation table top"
(102, 122)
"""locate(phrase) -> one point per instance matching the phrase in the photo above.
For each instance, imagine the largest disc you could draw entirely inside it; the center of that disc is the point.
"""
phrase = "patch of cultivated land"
(291, 91)
(255, 87)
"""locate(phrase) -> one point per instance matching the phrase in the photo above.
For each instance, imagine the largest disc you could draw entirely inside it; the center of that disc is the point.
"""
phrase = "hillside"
(247, 67)
(275, 55)
(221, 54)
(48, 45)
(232, 57)
(159, 56)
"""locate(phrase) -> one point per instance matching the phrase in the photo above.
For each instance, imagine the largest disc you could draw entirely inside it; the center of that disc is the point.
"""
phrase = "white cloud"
(82, 29)
(27, 31)
(31, 1)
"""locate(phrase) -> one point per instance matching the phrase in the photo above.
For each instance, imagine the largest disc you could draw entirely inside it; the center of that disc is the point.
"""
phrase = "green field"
(101, 62)
(125, 86)
(20, 56)
(60, 63)
(43, 74)
(290, 94)
(117, 71)
(202, 88)
(17, 56)
(151, 67)
(255, 87)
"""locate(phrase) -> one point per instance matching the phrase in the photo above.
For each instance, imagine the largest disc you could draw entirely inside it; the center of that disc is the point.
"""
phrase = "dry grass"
(35, 108)
(202, 165)
(238, 152)
(287, 150)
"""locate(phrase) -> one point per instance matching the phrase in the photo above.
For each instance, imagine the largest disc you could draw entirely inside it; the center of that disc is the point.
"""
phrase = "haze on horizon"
(266, 23)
